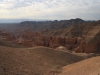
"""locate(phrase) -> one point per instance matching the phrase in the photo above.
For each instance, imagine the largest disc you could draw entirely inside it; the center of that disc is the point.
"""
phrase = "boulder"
(61, 48)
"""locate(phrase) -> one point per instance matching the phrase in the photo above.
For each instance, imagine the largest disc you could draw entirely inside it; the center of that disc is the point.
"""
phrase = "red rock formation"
(71, 41)
(7, 36)
(27, 43)
(38, 42)
(30, 39)
(79, 39)
(91, 47)
(11, 38)
(3, 33)
(57, 41)
(81, 47)
(47, 40)
(87, 47)
(69, 46)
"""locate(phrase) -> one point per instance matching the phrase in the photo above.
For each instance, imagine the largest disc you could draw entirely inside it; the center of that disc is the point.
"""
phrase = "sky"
(50, 9)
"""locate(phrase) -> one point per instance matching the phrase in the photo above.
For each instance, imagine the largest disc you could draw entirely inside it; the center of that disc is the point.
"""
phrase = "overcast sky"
(50, 9)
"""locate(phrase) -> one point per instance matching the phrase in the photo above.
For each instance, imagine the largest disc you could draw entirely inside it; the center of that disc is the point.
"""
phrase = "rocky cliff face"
(76, 44)
(88, 47)
(7, 36)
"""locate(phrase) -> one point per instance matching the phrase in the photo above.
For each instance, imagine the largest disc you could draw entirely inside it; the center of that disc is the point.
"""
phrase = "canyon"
(50, 48)
(80, 38)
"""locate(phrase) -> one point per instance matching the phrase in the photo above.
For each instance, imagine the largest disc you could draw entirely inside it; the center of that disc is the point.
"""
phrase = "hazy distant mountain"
(22, 20)
(18, 20)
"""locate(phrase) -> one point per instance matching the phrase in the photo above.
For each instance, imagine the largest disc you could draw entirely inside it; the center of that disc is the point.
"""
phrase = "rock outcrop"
(27, 43)
(88, 47)
(7, 36)
(77, 44)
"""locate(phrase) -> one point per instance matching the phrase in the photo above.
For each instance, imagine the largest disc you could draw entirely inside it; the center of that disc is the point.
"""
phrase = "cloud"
(50, 9)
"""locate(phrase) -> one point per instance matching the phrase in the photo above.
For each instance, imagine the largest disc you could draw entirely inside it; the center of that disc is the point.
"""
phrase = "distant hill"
(88, 30)
(18, 20)
(41, 25)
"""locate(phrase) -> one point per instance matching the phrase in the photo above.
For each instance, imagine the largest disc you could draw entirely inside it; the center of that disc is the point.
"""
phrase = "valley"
(50, 48)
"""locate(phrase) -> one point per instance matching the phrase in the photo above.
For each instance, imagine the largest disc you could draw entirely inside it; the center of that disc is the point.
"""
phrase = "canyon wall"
(32, 39)
(76, 44)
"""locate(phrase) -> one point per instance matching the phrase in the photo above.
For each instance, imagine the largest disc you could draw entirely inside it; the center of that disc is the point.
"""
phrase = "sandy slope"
(34, 61)
(89, 66)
